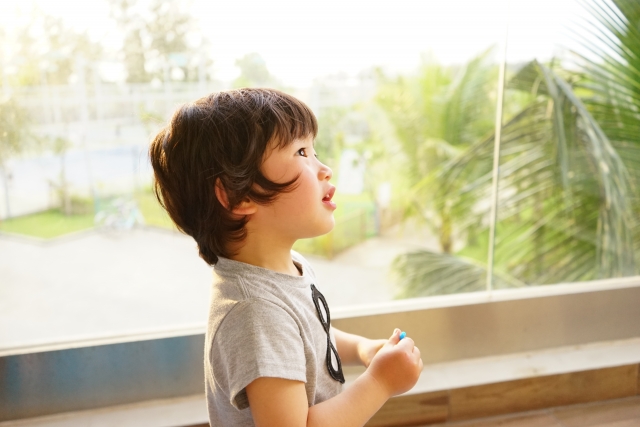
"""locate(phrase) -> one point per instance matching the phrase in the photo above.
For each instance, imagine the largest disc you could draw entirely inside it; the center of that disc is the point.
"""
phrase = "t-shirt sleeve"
(256, 339)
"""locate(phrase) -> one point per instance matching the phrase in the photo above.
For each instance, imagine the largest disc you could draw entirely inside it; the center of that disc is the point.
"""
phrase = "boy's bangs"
(293, 120)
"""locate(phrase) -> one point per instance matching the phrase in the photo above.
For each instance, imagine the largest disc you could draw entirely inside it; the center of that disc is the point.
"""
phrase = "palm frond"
(425, 273)
(564, 207)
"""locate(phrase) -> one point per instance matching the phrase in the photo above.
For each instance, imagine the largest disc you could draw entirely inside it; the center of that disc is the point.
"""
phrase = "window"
(407, 105)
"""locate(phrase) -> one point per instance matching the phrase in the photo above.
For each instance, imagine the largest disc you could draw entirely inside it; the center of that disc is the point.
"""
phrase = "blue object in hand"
(403, 334)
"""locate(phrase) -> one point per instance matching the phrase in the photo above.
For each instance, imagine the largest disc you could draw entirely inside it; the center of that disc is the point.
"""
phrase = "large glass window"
(433, 197)
(568, 203)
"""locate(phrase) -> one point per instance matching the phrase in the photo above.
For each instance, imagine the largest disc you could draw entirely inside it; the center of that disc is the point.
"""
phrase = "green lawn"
(47, 224)
(53, 223)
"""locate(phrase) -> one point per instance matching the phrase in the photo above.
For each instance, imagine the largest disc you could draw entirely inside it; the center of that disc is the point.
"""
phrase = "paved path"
(101, 284)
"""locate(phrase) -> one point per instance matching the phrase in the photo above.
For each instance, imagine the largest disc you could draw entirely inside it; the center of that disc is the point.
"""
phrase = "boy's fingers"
(395, 336)
(407, 343)
(416, 352)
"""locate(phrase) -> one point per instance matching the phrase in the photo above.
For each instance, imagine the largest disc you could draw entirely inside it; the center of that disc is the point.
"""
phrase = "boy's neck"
(267, 254)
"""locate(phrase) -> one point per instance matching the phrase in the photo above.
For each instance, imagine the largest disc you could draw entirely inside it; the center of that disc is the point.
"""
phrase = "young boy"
(237, 171)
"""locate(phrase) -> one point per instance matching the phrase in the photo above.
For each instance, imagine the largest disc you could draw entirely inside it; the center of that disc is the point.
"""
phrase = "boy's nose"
(325, 172)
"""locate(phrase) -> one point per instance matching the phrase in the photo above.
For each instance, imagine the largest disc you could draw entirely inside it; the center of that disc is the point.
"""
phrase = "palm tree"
(569, 175)
(613, 83)
(436, 116)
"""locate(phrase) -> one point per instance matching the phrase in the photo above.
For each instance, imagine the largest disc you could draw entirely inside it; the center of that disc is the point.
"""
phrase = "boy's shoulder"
(243, 294)
(235, 282)
(229, 271)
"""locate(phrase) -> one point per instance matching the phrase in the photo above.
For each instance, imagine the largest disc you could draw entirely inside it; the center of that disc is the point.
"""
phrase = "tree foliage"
(131, 23)
(611, 84)
(253, 72)
(436, 115)
(569, 172)
(47, 51)
(15, 138)
(156, 39)
(15, 132)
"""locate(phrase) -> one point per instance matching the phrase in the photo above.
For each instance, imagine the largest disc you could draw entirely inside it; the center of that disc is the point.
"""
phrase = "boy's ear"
(246, 207)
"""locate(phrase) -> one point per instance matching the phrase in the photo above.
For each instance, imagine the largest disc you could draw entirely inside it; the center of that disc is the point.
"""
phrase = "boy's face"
(307, 211)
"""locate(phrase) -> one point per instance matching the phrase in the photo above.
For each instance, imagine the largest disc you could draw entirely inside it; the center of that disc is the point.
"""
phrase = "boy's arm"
(354, 349)
(280, 402)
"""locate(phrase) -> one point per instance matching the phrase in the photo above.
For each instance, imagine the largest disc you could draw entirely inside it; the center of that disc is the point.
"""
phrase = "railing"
(99, 101)
(106, 101)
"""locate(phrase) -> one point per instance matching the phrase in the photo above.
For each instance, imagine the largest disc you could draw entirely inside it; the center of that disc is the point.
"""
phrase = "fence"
(100, 101)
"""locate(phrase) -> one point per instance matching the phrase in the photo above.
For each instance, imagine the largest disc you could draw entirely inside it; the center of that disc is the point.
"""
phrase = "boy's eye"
(303, 152)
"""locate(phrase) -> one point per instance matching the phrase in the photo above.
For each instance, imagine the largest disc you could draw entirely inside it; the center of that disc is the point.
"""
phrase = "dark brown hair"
(223, 136)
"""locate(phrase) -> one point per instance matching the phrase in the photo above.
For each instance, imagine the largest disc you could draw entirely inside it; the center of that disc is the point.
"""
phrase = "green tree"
(331, 134)
(168, 28)
(60, 147)
(569, 174)
(436, 115)
(15, 137)
(51, 56)
(128, 18)
(157, 40)
(253, 72)
(341, 127)
(611, 87)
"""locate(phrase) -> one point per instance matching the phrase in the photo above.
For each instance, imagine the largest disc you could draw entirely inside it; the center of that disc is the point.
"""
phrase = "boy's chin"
(329, 228)
(320, 232)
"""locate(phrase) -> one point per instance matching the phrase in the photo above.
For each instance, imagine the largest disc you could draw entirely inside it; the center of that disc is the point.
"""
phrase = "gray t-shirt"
(262, 324)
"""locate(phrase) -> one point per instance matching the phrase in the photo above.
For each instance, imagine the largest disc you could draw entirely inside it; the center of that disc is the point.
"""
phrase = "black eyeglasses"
(325, 319)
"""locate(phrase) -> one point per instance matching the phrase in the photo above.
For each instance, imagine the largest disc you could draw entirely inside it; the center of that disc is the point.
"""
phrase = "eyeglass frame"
(316, 296)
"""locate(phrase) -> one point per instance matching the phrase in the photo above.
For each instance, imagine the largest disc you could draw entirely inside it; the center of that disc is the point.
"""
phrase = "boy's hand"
(397, 365)
(367, 349)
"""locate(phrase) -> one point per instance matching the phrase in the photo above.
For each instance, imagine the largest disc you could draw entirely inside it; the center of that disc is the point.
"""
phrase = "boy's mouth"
(327, 198)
